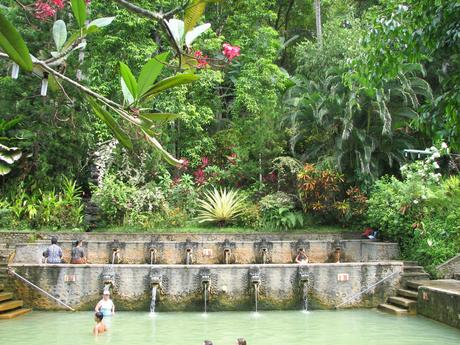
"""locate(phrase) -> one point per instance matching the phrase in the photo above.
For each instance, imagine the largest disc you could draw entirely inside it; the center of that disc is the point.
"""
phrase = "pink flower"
(230, 51)
(201, 59)
(204, 162)
(44, 10)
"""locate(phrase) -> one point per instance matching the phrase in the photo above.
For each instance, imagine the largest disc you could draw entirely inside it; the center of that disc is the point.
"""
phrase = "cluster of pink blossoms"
(230, 51)
(48, 8)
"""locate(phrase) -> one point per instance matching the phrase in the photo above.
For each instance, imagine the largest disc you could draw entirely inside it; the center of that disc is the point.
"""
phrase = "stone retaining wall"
(281, 286)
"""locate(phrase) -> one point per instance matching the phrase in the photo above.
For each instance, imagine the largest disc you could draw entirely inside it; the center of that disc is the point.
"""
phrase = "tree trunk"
(319, 33)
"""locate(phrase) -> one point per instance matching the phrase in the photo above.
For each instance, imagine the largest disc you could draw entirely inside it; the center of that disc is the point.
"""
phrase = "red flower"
(201, 59)
(230, 51)
(59, 3)
(200, 178)
(204, 162)
(44, 10)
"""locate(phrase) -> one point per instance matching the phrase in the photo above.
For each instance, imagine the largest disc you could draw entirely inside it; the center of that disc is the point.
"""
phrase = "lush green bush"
(44, 209)
(278, 212)
(421, 212)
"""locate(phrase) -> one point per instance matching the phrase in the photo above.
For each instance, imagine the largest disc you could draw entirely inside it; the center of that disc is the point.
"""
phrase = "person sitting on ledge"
(53, 254)
(301, 257)
(77, 254)
(99, 328)
(207, 342)
(241, 341)
(105, 305)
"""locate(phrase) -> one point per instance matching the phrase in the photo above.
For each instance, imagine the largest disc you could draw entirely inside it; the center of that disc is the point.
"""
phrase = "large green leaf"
(150, 72)
(129, 79)
(127, 95)
(12, 44)
(4, 169)
(165, 154)
(59, 34)
(167, 83)
(160, 116)
(79, 11)
(105, 116)
(101, 22)
(193, 13)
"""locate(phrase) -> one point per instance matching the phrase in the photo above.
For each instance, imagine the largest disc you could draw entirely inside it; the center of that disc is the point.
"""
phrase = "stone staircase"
(405, 301)
(9, 307)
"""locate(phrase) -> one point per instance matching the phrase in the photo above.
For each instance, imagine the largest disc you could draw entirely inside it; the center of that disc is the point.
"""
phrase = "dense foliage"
(309, 127)
(421, 211)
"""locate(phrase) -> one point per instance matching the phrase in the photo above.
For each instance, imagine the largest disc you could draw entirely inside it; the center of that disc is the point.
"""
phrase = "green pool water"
(348, 327)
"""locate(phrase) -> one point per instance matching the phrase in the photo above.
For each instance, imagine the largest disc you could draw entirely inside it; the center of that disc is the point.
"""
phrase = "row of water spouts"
(116, 257)
(206, 288)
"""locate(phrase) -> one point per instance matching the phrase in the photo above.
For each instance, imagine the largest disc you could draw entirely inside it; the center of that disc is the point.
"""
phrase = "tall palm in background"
(357, 132)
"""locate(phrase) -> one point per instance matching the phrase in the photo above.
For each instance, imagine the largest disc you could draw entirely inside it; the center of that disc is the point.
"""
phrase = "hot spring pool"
(348, 327)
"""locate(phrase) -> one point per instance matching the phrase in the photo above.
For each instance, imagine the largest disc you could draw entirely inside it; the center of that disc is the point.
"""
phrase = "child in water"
(99, 328)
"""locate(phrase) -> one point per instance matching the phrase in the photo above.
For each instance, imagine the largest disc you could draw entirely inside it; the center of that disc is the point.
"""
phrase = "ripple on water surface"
(346, 327)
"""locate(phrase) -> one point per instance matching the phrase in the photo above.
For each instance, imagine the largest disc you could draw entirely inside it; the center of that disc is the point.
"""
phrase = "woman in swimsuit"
(105, 305)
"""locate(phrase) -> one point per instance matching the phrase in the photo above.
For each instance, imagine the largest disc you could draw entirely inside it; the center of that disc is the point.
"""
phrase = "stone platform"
(439, 300)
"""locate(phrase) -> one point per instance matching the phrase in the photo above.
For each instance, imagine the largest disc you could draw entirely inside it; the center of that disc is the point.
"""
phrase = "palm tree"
(359, 133)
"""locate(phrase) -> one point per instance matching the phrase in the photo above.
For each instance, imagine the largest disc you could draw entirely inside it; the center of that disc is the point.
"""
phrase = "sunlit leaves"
(12, 44)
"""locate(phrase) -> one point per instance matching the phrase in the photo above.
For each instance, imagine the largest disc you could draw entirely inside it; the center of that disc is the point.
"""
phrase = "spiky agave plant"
(220, 206)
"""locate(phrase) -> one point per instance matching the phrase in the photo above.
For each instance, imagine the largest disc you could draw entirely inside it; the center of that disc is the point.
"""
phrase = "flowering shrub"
(230, 51)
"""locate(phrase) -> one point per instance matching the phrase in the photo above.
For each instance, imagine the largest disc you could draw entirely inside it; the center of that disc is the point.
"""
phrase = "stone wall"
(440, 304)
(211, 250)
(29, 237)
(449, 268)
(327, 285)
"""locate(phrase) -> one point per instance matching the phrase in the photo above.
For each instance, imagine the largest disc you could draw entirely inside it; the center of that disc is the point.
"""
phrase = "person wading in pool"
(207, 342)
(105, 305)
(100, 326)
(241, 341)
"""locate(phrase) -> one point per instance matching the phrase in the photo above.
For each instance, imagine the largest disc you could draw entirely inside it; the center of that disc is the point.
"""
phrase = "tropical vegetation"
(268, 115)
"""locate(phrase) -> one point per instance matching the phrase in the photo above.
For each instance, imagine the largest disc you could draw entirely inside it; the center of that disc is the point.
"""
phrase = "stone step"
(410, 263)
(389, 308)
(407, 293)
(412, 276)
(404, 303)
(414, 284)
(5, 306)
(5, 296)
(14, 313)
(413, 269)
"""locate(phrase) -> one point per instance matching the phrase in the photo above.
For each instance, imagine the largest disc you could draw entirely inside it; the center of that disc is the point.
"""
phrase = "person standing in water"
(241, 341)
(105, 305)
(99, 328)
